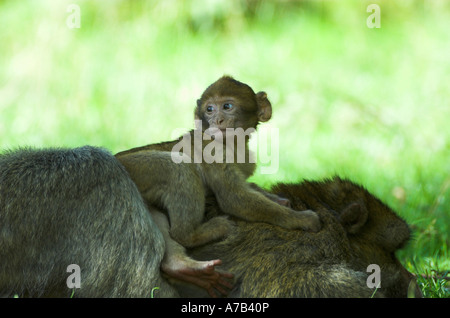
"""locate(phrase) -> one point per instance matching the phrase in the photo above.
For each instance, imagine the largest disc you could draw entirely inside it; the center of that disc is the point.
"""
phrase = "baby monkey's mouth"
(217, 130)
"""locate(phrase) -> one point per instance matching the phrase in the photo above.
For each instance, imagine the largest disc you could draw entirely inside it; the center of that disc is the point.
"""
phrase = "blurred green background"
(369, 104)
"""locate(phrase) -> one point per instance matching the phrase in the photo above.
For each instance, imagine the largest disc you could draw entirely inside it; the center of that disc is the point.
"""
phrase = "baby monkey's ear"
(264, 107)
(198, 110)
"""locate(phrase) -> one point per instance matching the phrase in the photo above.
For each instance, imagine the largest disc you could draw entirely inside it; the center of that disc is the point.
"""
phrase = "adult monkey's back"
(75, 206)
(359, 231)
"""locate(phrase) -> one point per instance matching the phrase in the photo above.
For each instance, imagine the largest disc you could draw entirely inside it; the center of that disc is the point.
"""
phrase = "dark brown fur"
(358, 230)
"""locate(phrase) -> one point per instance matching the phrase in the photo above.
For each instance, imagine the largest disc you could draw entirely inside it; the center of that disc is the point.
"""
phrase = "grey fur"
(75, 206)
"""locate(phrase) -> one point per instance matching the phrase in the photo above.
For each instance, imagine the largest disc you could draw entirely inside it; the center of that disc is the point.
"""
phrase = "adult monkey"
(181, 189)
(62, 207)
(358, 231)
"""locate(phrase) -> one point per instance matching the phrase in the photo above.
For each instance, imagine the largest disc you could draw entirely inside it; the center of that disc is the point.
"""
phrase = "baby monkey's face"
(222, 112)
(230, 104)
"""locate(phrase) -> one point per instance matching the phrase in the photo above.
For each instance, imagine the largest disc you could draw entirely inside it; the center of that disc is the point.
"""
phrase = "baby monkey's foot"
(283, 201)
(278, 199)
(200, 273)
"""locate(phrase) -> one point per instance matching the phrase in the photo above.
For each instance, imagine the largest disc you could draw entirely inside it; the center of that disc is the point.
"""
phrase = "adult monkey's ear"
(354, 217)
(264, 107)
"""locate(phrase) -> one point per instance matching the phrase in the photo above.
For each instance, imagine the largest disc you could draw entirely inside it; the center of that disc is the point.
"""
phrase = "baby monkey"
(180, 189)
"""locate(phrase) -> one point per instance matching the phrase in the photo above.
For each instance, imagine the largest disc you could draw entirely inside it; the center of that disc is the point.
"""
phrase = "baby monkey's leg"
(178, 265)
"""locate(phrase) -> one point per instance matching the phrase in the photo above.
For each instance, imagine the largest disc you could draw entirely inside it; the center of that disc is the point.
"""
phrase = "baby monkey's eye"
(227, 106)
(209, 108)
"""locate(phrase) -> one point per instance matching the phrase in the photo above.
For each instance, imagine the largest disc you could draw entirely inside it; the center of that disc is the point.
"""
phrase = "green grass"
(368, 104)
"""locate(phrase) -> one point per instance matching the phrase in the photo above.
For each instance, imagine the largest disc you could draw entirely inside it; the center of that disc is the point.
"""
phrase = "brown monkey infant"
(177, 177)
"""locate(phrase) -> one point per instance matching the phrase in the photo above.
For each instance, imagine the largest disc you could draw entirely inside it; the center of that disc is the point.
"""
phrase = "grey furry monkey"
(75, 206)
